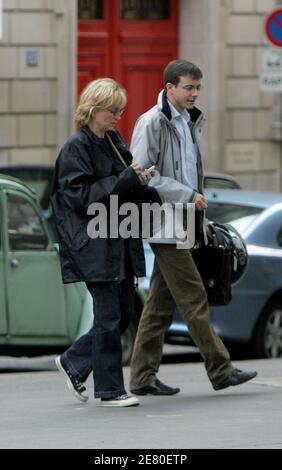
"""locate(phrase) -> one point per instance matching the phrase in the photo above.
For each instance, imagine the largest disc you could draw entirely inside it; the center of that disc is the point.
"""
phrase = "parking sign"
(271, 74)
(273, 27)
(270, 78)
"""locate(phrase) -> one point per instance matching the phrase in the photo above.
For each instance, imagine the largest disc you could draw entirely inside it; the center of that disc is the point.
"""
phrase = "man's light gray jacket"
(156, 141)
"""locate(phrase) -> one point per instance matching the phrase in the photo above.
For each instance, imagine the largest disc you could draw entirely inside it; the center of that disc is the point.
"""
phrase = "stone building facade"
(243, 134)
(37, 79)
(252, 145)
(224, 37)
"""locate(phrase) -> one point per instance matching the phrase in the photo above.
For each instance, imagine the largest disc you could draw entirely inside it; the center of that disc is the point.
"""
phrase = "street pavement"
(38, 411)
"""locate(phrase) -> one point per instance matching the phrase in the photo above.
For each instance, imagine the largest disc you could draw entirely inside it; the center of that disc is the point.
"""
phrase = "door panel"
(34, 288)
(140, 71)
(94, 41)
(36, 300)
(132, 43)
(92, 63)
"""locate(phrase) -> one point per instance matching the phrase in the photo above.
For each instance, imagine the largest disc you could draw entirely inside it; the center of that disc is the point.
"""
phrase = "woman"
(94, 165)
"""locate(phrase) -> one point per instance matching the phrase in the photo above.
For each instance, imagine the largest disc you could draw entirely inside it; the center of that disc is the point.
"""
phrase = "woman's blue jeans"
(100, 349)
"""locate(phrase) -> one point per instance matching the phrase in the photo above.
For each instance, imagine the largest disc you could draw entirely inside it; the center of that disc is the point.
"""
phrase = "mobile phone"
(152, 170)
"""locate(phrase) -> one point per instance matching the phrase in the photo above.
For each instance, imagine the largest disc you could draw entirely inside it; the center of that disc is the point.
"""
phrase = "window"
(25, 229)
(220, 183)
(225, 213)
(241, 217)
(145, 9)
(39, 178)
(90, 9)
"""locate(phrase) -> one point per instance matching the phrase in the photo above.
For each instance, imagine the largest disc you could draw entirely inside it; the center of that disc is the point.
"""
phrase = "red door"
(130, 41)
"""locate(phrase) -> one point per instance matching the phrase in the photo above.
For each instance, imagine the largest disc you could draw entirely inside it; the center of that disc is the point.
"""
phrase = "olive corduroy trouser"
(176, 281)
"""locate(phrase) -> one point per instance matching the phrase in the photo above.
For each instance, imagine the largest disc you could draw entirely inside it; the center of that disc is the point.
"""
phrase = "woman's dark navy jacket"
(85, 173)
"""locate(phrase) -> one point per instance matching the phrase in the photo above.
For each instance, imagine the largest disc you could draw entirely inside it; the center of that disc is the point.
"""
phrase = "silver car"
(252, 322)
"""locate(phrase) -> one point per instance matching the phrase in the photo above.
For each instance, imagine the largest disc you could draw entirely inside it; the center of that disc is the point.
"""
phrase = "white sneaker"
(122, 400)
(74, 385)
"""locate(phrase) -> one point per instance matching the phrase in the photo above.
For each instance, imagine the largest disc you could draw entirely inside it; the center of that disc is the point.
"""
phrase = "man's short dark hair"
(180, 68)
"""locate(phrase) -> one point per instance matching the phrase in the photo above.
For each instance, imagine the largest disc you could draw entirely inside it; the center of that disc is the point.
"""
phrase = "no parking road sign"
(271, 76)
(273, 27)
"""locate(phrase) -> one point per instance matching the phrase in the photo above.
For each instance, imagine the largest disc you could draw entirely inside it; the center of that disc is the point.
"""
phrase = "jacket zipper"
(193, 126)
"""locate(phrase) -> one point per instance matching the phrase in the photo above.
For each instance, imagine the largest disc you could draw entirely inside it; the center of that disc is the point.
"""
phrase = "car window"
(25, 228)
(41, 184)
(219, 183)
(38, 186)
(38, 179)
(239, 216)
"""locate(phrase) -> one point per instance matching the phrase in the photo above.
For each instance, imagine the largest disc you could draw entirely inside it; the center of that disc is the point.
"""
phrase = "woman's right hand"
(143, 175)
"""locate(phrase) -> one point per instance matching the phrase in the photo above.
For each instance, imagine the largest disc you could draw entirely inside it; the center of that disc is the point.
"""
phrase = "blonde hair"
(102, 93)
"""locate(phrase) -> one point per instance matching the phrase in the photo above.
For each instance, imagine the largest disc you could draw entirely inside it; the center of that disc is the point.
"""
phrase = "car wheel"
(127, 343)
(268, 335)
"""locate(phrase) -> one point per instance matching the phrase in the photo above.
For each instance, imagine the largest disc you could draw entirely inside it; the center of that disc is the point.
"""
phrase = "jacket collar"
(165, 109)
(88, 137)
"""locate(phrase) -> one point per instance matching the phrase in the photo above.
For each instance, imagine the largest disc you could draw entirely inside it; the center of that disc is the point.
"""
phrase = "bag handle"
(218, 238)
(116, 150)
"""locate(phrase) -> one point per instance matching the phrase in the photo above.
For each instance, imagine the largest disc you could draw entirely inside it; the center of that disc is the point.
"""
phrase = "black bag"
(214, 263)
(214, 266)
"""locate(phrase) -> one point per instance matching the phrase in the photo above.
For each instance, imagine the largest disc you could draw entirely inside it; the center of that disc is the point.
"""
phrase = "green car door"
(35, 293)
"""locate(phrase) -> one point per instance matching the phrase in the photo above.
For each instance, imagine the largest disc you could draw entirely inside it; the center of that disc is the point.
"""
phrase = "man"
(167, 136)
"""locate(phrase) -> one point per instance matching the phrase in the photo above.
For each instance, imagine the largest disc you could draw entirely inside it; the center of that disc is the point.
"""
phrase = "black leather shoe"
(236, 377)
(155, 388)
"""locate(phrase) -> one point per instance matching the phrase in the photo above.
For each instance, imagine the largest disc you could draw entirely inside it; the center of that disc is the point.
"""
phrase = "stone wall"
(251, 153)
(226, 39)
(37, 79)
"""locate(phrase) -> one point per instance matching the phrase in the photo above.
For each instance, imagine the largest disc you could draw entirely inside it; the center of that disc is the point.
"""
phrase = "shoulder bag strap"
(116, 150)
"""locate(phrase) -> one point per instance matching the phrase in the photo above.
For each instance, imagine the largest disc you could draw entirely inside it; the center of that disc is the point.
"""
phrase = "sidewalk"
(38, 411)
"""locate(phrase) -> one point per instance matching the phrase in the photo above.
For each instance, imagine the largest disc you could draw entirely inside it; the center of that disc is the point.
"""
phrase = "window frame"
(49, 245)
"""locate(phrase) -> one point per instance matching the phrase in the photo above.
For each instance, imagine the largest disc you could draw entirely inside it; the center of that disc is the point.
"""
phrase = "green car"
(38, 313)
